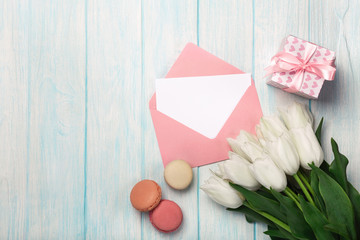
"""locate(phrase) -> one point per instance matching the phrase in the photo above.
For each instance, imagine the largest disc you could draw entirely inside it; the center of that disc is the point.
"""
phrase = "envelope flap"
(194, 61)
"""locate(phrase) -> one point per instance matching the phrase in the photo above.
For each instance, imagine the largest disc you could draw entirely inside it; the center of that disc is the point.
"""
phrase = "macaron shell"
(178, 174)
(166, 217)
(145, 195)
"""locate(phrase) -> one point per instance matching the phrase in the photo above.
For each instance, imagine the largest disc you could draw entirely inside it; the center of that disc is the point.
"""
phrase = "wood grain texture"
(225, 30)
(42, 119)
(167, 27)
(114, 135)
(14, 83)
(335, 26)
(75, 129)
(55, 167)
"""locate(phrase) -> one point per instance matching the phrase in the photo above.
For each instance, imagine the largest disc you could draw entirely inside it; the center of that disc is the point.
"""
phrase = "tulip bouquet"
(278, 177)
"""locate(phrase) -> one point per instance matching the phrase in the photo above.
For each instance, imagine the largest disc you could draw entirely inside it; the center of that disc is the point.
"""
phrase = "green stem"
(270, 217)
(303, 188)
(266, 190)
(307, 184)
(291, 195)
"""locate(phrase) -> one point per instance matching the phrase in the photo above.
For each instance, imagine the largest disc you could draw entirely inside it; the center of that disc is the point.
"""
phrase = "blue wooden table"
(75, 128)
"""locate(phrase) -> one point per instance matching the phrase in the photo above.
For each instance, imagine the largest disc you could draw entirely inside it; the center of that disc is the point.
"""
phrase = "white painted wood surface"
(75, 129)
(114, 135)
(42, 119)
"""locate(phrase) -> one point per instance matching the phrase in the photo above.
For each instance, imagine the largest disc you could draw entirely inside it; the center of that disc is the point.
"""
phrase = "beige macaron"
(178, 174)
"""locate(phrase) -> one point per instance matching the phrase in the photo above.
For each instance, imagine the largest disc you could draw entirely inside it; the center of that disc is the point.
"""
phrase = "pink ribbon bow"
(286, 62)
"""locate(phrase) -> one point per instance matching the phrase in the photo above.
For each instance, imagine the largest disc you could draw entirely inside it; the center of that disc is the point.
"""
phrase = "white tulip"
(236, 170)
(275, 138)
(220, 172)
(299, 121)
(297, 116)
(221, 192)
(236, 147)
(268, 174)
(247, 146)
(271, 127)
(307, 146)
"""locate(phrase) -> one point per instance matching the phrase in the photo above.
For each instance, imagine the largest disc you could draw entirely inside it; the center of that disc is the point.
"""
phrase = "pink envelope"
(177, 141)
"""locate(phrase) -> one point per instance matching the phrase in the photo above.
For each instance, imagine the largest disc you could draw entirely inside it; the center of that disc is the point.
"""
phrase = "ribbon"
(286, 62)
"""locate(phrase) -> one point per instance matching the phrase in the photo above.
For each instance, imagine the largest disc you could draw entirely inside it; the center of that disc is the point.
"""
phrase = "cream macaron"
(178, 174)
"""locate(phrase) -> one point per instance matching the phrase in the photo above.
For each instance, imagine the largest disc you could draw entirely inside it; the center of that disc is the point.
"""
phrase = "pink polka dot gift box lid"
(301, 67)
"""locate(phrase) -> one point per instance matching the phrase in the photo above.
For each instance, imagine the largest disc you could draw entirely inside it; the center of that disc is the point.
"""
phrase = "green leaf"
(266, 193)
(274, 233)
(314, 182)
(355, 200)
(295, 219)
(252, 216)
(337, 229)
(316, 220)
(261, 203)
(338, 206)
(279, 234)
(287, 234)
(250, 219)
(318, 130)
(338, 166)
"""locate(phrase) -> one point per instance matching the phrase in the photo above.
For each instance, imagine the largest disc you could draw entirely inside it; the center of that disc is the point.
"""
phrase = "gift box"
(301, 67)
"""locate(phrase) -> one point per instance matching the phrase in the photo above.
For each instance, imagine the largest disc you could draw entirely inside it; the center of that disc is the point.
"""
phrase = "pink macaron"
(166, 217)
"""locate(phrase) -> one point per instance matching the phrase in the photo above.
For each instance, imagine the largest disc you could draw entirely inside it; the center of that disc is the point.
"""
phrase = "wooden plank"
(13, 118)
(225, 29)
(167, 27)
(274, 21)
(42, 112)
(334, 24)
(55, 170)
(114, 135)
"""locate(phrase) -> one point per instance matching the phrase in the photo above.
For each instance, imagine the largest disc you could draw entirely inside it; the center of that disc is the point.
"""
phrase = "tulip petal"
(296, 116)
(244, 136)
(307, 146)
(268, 174)
(284, 154)
(237, 171)
(236, 147)
(253, 150)
(222, 193)
(272, 127)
